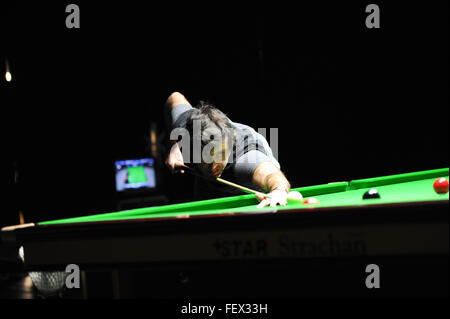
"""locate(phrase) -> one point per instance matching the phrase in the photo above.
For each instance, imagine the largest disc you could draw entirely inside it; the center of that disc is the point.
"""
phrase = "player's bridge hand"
(277, 197)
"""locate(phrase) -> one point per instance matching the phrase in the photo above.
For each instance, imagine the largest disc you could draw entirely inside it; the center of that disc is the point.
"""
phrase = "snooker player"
(237, 153)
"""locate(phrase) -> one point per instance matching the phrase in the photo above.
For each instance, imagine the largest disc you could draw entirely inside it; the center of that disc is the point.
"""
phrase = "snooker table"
(226, 247)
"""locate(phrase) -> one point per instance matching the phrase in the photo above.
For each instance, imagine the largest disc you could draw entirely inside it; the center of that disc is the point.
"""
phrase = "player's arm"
(174, 158)
(271, 179)
(268, 177)
(173, 100)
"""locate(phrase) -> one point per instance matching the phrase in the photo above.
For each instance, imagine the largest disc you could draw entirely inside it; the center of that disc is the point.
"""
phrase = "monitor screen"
(134, 174)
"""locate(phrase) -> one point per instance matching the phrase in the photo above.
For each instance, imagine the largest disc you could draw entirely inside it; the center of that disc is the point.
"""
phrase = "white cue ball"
(295, 197)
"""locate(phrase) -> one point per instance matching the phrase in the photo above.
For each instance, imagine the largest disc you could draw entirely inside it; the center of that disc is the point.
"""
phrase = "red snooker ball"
(441, 185)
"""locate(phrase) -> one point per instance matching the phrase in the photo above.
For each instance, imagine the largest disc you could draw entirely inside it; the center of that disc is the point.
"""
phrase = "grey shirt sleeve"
(180, 114)
(246, 165)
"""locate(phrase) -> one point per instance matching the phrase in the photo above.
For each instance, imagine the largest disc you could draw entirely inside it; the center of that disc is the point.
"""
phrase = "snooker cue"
(242, 188)
(221, 180)
(248, 190)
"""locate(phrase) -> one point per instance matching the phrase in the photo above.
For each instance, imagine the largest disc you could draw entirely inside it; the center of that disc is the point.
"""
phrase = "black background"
(349, 102)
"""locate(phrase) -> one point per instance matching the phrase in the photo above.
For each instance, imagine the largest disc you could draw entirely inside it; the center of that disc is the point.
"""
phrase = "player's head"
(216, 137)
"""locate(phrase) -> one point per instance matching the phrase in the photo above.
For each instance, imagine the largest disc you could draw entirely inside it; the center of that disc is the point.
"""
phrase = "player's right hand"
(175, 159)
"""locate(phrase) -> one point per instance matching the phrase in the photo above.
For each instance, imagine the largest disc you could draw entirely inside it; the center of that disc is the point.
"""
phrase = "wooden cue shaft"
(248, 190)
(242, 188)
(221, 180)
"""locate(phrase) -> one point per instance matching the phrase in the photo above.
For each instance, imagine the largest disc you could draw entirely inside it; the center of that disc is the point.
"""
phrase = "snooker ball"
(440, 185)
(294, 197)
(371, 193)
(311, 200)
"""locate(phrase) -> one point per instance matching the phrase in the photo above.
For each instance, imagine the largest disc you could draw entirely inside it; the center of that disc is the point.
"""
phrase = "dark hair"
(213, 123)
